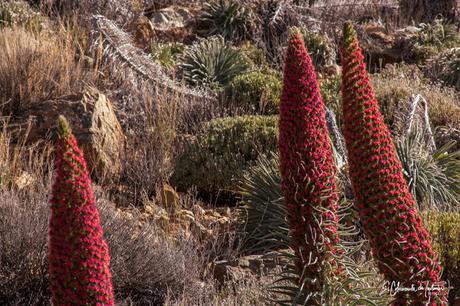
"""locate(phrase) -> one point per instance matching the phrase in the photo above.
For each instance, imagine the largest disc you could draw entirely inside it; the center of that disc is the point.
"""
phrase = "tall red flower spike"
(307, 166)
(78, 255)
(387, 209)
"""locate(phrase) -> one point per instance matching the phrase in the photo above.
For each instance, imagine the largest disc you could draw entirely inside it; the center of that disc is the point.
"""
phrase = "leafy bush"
(223, 150)
(257, 91)
(167, 54)
(18, 13)
(396, 83)
(445, 234)
(330, 91)
(446, 68)
(319, 48)
(226, 18)
(255, 55)
(212, 63)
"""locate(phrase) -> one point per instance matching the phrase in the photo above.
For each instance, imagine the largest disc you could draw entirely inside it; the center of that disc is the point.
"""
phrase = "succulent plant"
(307, 169)
(79, 257)
(388, 212)
(226, 18)
(212, 63)
(167, 54)
(433, 177)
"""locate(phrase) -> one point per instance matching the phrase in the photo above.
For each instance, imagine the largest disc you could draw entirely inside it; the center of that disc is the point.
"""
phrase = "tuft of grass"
(36, 68)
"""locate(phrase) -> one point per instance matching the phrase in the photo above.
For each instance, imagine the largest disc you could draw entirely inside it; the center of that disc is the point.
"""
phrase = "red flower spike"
(79, 258)
(307, 166)
(367, 137)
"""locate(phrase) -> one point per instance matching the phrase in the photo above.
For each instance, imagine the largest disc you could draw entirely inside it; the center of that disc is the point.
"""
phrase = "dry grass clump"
(150, 147)
(36, 68)
(22, 166)
(396, 83)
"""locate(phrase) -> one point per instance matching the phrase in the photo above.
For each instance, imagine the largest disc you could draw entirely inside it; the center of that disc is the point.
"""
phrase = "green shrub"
(396, 83)
(430, 39)
(445, 234)
(18, 13)
(319, 48)
(332, 97)
(226, 18)
(223, 150)
(446, 68)
(255, 56)
(212, 63)
(167, 54)
(256, 91)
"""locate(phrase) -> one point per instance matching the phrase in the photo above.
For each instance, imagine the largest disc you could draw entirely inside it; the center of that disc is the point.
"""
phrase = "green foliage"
(330, 91)
(212, 63)
(223, 150)
(433, 38)
(319, 48)
(445, 234)
(226, 18)
(439, 34)
(257, 91)
(263, 206)
(433, 178)
(255, 55)
(264, 221)
(167, 54)
(18, 13)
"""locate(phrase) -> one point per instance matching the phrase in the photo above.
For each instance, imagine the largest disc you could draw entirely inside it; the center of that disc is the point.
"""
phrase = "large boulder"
(94, 123)
(174, 23)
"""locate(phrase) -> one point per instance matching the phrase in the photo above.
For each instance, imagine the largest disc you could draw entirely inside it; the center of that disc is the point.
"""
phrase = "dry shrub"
(150, 146)
(35, 68)
(145, 265)
(396, 83)
(250, 291)
(23, 234)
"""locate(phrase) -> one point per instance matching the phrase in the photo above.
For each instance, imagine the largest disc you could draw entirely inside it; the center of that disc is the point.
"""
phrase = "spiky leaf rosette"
(78, 255)
(307, 167)
(387, 209)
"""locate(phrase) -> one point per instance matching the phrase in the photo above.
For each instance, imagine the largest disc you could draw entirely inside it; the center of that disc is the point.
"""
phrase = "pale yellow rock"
(23, 180)
(93, 122)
